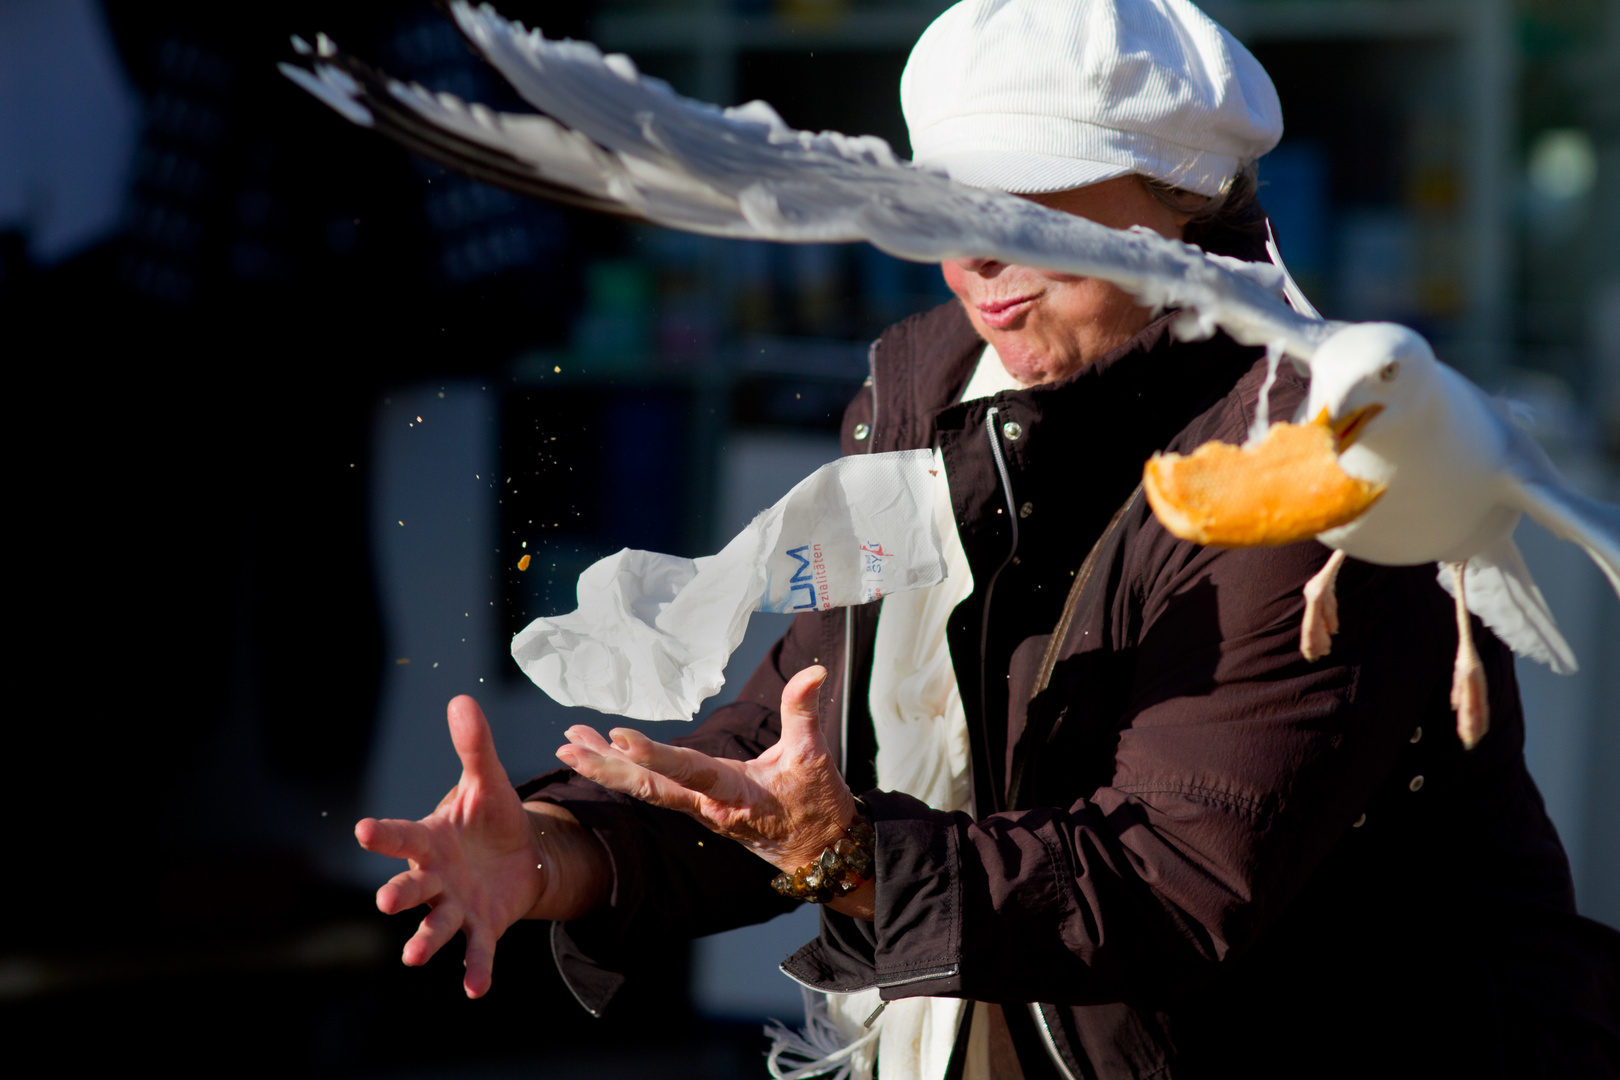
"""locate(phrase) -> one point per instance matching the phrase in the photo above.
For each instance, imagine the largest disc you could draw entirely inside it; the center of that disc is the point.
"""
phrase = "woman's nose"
(978, 266)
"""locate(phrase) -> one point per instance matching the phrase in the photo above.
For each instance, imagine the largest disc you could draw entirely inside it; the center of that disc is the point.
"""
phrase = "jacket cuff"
(913, 946)
(590, 952)
(840, 961)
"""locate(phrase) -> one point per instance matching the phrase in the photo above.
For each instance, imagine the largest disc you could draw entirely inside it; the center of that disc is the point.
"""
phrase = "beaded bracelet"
(844, 866)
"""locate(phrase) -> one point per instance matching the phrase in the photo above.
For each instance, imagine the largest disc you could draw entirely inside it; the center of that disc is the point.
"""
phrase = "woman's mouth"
(1000, 314)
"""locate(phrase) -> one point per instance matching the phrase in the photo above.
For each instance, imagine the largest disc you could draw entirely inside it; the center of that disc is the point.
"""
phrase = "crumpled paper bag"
(652, 633)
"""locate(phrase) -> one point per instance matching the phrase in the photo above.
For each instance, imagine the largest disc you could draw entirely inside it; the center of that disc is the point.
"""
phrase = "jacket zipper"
(990, 586)
(871, 369)
(1006, 481)
(984, 639)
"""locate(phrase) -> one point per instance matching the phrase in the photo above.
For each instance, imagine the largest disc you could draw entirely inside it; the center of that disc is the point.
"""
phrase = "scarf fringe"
(820, 1049)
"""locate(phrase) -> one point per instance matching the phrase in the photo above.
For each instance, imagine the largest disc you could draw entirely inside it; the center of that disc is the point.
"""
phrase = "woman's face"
(1046, 325)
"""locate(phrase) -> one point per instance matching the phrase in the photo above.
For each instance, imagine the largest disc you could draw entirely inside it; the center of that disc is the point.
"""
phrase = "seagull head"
(1367, 376)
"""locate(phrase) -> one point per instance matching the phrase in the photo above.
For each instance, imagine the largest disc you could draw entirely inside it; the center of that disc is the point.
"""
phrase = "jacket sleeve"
(672, 877)
(1237, 766)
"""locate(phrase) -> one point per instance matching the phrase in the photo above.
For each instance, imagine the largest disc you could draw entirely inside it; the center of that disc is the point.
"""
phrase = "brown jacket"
(1217, 858)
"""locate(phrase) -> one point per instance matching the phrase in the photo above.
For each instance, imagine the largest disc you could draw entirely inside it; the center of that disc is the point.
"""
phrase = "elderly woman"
(1119, 827)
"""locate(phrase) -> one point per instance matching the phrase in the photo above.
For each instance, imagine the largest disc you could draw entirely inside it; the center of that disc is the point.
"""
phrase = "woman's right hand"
(484, 859)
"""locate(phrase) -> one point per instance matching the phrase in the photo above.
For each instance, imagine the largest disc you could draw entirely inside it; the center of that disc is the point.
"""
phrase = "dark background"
(195, 392)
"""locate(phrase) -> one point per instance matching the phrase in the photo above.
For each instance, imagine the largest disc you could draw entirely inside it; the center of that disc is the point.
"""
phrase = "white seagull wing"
(615, 141)
(1534, 485)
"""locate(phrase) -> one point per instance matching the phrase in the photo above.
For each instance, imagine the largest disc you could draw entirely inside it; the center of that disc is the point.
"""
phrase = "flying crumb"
(402, 660)
(523, 563)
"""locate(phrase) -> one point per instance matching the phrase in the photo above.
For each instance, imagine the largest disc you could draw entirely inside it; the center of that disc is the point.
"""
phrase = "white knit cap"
(1045, 95)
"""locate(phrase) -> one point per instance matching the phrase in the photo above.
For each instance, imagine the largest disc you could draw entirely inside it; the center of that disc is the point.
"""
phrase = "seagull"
(1459, 473)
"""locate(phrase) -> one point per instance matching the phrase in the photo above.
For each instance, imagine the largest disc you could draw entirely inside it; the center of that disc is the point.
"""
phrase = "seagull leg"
(1468, 692)
(1321, 610)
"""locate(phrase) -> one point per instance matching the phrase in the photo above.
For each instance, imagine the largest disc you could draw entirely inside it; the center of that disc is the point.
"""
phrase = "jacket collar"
(921, 365)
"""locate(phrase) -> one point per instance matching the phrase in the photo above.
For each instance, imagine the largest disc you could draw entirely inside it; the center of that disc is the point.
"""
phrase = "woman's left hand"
(786, 805)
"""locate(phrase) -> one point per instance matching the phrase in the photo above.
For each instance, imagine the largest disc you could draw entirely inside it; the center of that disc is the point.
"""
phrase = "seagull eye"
(1391, 369)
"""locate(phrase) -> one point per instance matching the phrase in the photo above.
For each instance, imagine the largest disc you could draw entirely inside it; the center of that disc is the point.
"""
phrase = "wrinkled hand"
(785, 805)
(483, 859)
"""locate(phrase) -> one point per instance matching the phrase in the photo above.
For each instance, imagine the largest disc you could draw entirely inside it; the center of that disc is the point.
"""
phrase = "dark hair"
(1230, 223)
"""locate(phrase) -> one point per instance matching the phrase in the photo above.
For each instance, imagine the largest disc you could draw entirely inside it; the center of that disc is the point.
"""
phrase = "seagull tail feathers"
(1500, 591)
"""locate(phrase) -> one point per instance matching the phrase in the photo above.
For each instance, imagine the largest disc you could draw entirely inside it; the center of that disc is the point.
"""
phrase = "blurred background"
(289, 405)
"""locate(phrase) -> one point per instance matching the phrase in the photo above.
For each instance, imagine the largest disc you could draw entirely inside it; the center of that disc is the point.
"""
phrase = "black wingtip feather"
(403, 125)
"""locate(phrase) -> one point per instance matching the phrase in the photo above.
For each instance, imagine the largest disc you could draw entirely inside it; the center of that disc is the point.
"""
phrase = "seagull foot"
(1321, 610)
(1469, 694)
(1469, 697)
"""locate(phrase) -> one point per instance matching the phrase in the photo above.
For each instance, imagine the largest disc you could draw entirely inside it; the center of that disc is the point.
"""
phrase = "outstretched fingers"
(393, 837)
(439, 927)
(480, 962)
(410, 889)
(595, 759)
(691, 769)
(474, 742)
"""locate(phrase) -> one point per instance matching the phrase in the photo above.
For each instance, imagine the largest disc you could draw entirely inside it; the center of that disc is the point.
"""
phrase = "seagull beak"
(1348, 428)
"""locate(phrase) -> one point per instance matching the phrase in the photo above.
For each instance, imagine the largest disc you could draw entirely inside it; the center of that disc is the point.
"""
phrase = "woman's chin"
(1029, 365)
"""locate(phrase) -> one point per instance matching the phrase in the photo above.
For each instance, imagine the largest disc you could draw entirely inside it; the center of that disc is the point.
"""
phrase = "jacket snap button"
(1013, 430)
(1026, 510)
(1416, 784)
(861, 432)
(1359, 822)
(1416, 735)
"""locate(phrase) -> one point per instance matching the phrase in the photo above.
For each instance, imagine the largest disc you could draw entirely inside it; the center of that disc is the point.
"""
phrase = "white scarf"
(922, 750)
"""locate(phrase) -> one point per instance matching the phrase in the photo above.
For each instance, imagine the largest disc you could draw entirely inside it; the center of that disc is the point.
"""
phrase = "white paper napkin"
(652, 633)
